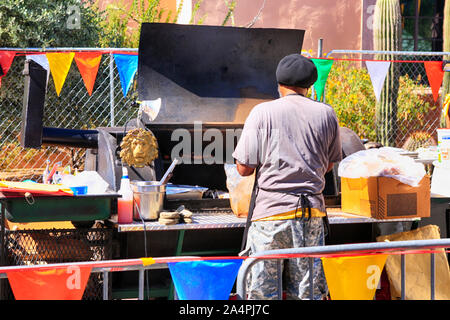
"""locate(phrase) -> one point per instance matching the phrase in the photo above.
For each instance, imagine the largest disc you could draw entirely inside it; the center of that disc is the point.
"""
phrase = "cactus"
(387, 37)
(445, 119)
(418, 139)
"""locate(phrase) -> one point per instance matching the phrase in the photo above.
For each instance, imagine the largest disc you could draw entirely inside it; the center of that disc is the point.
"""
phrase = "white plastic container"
(440, 181)
(125, 203)
(443, 145)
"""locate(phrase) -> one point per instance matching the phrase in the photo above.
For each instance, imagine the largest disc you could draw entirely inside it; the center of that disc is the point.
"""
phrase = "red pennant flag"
(6, 59)
(64, 283)
(88, 63)
(435, 76)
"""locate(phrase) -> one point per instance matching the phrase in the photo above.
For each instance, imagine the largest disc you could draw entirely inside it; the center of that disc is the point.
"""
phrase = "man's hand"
(244, 170)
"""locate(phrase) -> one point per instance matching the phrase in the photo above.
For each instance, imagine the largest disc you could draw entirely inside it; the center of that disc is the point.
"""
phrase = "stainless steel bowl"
(148, 198)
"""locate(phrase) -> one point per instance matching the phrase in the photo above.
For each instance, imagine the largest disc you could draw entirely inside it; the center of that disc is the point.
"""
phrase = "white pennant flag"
(42, 60)
(378, 71)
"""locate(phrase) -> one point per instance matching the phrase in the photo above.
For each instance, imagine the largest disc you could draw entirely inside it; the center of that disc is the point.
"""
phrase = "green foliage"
(44, 23)
(122, 21)
(350, 92)
(194, 14)
(231, 6)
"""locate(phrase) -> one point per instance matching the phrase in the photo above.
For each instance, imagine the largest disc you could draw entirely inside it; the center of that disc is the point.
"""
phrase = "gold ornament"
(138, 148)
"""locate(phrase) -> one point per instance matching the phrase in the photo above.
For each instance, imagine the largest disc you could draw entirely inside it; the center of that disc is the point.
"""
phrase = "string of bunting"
(378, 70)
(58, 63)
(202, 278)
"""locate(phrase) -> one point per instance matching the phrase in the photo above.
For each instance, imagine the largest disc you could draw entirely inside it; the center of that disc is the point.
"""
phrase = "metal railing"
(396, 247)
(390, 248)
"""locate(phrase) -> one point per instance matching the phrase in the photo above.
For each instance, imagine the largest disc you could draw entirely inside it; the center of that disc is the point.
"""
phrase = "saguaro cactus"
(387, 37)
(446, 48)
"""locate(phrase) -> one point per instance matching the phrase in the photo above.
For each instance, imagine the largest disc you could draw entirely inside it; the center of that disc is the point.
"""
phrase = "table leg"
(178, 252)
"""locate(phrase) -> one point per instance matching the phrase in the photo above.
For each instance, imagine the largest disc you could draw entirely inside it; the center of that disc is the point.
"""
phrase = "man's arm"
(244, 170)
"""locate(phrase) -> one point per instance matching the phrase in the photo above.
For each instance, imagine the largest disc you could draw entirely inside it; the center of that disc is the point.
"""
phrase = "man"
(291, 143)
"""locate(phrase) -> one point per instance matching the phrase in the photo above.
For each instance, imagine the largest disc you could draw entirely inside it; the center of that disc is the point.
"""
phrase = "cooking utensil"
(166, 176)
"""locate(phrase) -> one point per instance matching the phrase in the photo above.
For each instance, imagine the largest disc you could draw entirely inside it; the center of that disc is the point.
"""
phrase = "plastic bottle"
(125, 203)
(46, 172)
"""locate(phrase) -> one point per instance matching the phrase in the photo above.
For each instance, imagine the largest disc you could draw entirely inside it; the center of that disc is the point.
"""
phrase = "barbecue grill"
(208, 79)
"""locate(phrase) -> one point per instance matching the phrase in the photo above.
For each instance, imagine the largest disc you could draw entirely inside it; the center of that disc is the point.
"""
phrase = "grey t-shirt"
(291, 141)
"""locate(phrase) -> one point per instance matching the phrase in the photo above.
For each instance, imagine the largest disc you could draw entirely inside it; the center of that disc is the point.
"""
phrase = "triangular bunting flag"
(127, 66)
(6, 59)
(88, 63)
(42, 60)
(435, 76)
(377, 72)
(323, 69)
(59, 67)
(353, 278)
(204, 280)
(63, 283)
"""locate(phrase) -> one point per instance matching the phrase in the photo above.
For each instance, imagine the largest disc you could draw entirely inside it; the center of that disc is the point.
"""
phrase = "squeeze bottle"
(125, 203)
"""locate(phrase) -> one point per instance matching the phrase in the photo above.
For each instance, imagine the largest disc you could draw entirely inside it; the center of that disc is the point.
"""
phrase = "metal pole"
(280, 279)
(320, 48)
(105, 285)
(141, 284)
(311, 278)
(432, 276)
(402, 266)
(320, 55)
(111, 87)
(411, 53)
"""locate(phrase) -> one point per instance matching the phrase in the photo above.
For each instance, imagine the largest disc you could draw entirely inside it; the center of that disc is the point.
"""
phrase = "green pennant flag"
(323, 69)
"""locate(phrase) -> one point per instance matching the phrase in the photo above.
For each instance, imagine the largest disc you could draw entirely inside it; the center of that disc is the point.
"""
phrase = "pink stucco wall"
(337, 22)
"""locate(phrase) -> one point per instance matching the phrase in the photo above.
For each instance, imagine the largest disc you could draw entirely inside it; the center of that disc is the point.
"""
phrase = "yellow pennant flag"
(59, 63)
(353, 278)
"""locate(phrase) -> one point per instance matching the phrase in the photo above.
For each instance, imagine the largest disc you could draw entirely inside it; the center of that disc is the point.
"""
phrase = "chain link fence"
(349, 90)
(72, 109)
(406, 109)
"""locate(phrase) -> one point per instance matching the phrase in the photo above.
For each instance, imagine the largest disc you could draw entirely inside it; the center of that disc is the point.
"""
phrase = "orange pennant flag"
(88, 63)
(63, 283)
(435, 75)
(59, 63)
(6, 59)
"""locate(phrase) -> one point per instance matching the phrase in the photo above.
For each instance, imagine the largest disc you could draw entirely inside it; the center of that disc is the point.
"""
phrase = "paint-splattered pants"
(282, 234)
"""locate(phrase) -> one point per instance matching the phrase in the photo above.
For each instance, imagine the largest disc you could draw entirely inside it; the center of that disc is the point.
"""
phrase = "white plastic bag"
(382, 162)
(94, 182)
(240, 190)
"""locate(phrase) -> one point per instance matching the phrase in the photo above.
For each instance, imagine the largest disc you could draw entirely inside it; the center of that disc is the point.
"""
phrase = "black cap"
(296, 71)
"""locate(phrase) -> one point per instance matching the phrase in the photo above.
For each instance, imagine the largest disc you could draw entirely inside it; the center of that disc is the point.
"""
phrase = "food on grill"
(187, 220)
(168, 222)
(169, 215)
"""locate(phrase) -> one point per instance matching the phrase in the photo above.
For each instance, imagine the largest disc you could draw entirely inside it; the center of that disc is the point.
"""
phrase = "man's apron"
(305, 204)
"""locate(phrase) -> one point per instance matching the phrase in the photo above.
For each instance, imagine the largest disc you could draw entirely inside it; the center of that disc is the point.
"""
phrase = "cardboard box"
(385, 198)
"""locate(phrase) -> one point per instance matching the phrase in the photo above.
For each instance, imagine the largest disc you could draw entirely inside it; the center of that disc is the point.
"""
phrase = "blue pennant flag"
(204, 280)
(127, 66)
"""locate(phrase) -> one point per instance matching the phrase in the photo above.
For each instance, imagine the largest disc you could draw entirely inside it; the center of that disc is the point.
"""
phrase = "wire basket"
(46, 246)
